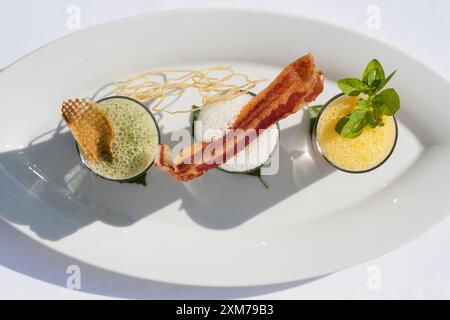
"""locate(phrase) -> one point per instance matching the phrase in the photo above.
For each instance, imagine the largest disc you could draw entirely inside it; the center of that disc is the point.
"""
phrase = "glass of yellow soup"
(355, 155)
(135, 142)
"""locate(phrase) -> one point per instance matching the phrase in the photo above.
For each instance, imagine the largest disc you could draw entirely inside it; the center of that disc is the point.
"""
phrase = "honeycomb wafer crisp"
(91, 127)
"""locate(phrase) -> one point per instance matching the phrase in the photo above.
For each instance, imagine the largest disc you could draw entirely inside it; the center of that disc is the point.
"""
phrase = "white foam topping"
(215, 119)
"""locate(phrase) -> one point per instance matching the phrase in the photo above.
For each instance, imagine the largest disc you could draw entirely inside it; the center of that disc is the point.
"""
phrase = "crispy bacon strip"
(297, 85)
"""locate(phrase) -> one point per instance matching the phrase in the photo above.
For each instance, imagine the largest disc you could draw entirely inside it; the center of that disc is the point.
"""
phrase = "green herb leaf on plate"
(385, 81)
(352, 86)
(351, 125)
(371, 66)
(193, 117)
(142, 180)
(313, 112)
(390, 100)
(374, 79)
(257, 173)
(363, 104)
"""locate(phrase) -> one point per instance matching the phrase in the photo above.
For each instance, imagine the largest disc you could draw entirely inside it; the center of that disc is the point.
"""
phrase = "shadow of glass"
(27, 257)
(48, 189)
(217, 203)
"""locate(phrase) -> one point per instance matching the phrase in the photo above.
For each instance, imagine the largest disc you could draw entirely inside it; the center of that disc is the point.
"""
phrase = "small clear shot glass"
(318, 149)
(159, 142)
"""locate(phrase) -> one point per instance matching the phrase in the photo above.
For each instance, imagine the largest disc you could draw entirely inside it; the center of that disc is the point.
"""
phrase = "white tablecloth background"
(421, 269)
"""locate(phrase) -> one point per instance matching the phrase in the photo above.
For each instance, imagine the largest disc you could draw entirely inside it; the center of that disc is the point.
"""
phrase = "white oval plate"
(222, 229)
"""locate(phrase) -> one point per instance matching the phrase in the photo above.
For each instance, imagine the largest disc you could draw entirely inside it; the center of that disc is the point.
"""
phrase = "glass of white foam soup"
(212, 123)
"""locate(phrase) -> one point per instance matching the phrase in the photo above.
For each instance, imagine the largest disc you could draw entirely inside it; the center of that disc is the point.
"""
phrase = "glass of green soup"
(135, 142)
(355, 155)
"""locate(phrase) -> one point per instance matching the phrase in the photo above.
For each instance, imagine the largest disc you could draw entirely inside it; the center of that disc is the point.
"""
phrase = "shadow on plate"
(25, 256)
(48, 189)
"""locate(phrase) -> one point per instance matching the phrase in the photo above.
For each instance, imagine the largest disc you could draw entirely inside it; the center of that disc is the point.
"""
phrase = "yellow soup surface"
(354, 154)
(135, 140)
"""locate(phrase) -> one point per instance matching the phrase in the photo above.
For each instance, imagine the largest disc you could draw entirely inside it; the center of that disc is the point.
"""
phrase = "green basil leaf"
(352, 86)
(142, 180)
(378, 108)
(371, 108)
(373, 65)
(374, 123)
(358, 120)
(379, 112)
(363, 104)
(345, 128)
(374, 79)
(370, 117)
(313, 112)
(351, 134)
(351, 125)
(341, 124)
(193, 117)
(390, 99)
(385, 81)
(257, 174)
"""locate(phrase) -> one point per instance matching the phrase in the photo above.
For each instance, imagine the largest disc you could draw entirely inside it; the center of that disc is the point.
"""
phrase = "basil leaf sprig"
(313, 112)
(374, 103)
(142, 180)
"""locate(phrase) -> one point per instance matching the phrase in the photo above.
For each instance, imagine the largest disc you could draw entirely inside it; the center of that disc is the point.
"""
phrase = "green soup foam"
(135, 141)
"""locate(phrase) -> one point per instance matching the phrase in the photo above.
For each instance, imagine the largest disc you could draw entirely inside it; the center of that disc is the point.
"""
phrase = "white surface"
(400, 276)
(207, 231)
